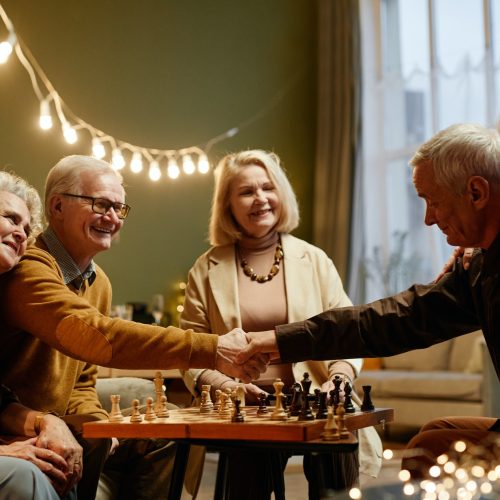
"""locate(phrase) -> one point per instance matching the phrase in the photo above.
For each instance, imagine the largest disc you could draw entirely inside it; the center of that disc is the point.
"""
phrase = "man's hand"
(465, 253)
(56, 436)
(49, 462)
(259, 342)
(228, 348)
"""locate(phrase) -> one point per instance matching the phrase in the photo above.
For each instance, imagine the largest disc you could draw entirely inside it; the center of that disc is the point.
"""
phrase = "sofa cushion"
(466, 355)
(422, 385)
(129, 388)
(431, 358)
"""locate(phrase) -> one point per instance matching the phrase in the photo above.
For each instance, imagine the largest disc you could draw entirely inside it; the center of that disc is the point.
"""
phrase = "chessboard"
(190, 423)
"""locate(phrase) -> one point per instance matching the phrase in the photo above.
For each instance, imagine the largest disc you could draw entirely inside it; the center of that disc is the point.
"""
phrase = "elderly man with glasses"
(56, 329)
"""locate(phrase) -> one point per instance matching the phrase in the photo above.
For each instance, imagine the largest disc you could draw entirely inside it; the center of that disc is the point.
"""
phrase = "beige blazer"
(312, 285)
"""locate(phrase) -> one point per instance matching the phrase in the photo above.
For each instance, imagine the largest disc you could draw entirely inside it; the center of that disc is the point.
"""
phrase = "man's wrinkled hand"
(56, 436)
(228, 348)
(465, 253)
(259, 343)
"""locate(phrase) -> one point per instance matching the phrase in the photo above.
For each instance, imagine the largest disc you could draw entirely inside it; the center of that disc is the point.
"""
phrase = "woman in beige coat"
(255, 276)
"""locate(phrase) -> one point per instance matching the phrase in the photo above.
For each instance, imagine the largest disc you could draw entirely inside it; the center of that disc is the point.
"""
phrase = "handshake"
(246, 355)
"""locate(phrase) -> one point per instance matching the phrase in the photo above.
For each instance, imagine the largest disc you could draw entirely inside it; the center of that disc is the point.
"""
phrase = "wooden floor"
(295, 482)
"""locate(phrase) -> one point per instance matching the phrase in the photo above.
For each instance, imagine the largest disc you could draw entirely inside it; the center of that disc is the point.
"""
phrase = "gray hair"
(223, 228)
(14, 184)
(459, 152)
(65, 176)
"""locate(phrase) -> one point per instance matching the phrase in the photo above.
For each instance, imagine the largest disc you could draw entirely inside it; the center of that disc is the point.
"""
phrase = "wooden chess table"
(188, 427)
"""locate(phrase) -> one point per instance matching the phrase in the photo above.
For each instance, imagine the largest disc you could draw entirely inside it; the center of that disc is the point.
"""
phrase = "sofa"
(452, 378)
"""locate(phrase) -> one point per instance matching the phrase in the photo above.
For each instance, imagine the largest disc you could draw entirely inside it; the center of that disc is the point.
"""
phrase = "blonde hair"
(460, 152)
(16, 185)
(223, 228)
(65, 176)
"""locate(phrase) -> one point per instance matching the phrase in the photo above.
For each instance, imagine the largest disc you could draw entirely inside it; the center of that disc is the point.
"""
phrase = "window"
(426, 64)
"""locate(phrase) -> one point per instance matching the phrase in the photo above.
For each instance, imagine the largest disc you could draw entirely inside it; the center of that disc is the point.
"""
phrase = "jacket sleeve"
(36, 300)
(195, 315)
(417, 318)
(6, 397)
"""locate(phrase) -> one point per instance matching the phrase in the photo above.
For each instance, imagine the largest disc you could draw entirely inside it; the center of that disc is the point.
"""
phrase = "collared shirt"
(70, 271)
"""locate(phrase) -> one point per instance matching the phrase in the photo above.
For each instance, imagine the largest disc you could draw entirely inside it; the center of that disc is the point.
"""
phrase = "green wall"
(165, 74)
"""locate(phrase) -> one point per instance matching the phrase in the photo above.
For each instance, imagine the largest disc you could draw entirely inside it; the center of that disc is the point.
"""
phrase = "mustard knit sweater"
(52, 336)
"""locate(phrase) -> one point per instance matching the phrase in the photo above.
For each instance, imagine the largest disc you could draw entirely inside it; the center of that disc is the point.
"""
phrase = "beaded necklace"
(275, 268)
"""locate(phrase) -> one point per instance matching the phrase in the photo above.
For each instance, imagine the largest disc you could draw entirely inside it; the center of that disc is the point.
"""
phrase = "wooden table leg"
(221, 478)
(179, 470)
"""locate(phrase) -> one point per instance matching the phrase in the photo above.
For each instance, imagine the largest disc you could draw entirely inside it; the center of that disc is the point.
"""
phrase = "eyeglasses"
(102, 205)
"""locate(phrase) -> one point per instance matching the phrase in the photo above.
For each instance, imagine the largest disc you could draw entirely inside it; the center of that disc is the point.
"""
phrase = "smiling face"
(254, 201)
(456, 215)
(14, 229)
(83, 232)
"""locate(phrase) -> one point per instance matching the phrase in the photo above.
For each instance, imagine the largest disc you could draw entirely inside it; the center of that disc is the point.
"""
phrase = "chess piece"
(348, 406)
(263, 410)
(163, 410)
(224, 408)
(367, 404)
(240, 394)
(229, 399)
(337, 381)
(237, 415)
(116, 414)
(305, 410)
(306, 384)
(158, 382)
(206, 405)
(343, 432)
(322, 412)
(150, 413)
(315, 405)
(330, 432)
(279, 413)
(136, 412)
(218, 393)
(296, 403)
(208, 402)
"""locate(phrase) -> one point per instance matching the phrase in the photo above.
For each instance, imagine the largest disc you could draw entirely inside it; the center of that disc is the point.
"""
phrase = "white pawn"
(163, 410)
(331, 432)
(343, 432)
(229, 400)
(150, 413)
(240, 394)
(279, 413)
(116, 414)
(136, 412)
(218, 393)
(206, 405)
(224, 409)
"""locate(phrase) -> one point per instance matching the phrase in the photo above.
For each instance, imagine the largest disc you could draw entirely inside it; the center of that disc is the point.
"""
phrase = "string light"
(193, 158)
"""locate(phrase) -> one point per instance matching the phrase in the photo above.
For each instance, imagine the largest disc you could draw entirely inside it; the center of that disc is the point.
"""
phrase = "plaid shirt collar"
(70, 271)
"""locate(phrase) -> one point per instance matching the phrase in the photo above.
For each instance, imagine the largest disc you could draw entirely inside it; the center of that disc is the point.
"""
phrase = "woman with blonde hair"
(257, 275)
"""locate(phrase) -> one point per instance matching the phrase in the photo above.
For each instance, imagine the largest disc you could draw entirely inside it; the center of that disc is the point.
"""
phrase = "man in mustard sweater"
(56, 329)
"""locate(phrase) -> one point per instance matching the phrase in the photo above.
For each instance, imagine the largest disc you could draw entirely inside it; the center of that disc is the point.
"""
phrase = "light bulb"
(98, 148)
(154, 171)
(136, 163)
(45, 120)
(173, 170)
(203, 165)
(69, 133)
(6, 47)
(117, 160)
(188, 165)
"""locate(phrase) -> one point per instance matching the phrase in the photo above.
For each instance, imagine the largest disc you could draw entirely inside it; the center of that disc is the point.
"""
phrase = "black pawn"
(316, 399)
(367, 404)
(306, 384)
(348, 406)
(237, 416)
(305, 411)
(322, 412)
(296, 403)
(263, 410)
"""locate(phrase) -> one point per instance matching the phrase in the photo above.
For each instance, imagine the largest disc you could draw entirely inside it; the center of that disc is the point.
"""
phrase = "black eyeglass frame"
(121, 209)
